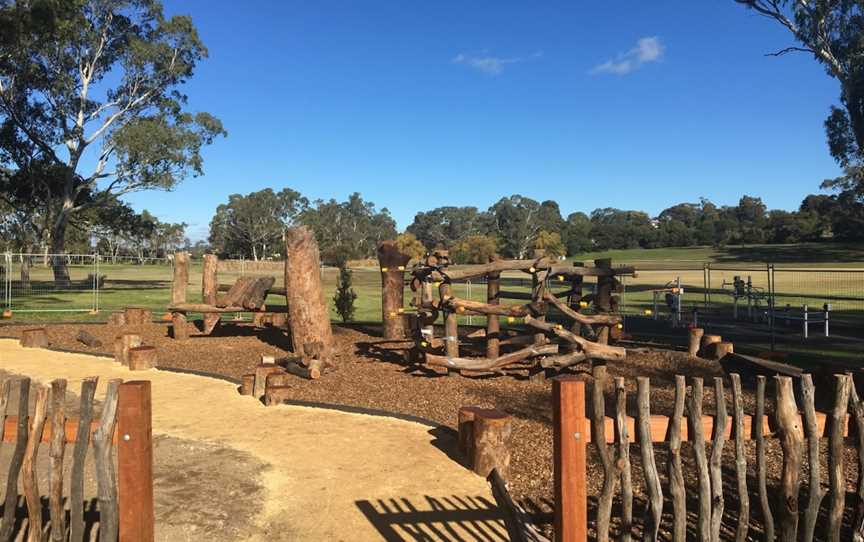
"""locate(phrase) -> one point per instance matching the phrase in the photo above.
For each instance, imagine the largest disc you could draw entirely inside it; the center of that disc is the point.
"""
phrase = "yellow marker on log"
(648, 312)
(424, 344)
(401, 268)
(583, 304)
(383, 269)
(561, 277)
(510, 319)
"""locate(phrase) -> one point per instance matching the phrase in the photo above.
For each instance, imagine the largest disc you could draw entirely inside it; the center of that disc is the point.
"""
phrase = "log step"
(276, 395)
(34, 338)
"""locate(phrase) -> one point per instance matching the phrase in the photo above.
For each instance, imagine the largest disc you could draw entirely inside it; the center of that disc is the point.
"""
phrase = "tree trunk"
(392, 263)
(58, 246)
(309, 316)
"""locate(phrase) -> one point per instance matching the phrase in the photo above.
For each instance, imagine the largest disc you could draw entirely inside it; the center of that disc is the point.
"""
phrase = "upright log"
(106, 476)
(11, 501)
(493, 324)
(56, 453)
(649, 467)
(309, 317)
(695, 340)
(761, 469)
(694, 419)
(570, 432)
(716, 461)
(493, 431)
(451, 324)
(624, 459)
(392, 262)
(836, 450)
(137, 316)
(34, 338)
(209, 290)
(30, 482)
(465, 419)
(143, 358)
(574, 300)
(79, 454)
(740, 460)
(811, 431)
(677, 485)
(178, 295)
(603, 296)
(791, 439)
(122, 344)
(598, 438)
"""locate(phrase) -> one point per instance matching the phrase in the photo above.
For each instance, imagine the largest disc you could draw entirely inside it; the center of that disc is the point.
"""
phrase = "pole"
(570, 435)
(135, 462)
(805, 322)
(770, 271)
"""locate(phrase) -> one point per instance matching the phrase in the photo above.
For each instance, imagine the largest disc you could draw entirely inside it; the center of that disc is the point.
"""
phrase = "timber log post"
(574, 300)
(603, 296)
(493, 325)
(209, 290)
(392, 262)
(309, 317)
(178, 295)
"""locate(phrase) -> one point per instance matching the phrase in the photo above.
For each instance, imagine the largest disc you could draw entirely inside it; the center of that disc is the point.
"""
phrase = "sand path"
(331, 476)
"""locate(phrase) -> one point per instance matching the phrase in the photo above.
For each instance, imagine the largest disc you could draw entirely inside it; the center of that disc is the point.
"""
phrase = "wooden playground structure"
(305, 312)
(543, 342)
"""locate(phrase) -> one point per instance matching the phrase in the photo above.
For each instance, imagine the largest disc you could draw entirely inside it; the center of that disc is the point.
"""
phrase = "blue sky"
(636, 105)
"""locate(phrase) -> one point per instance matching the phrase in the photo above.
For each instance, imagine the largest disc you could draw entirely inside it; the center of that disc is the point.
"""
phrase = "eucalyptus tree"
(92, 88)
(833, 32)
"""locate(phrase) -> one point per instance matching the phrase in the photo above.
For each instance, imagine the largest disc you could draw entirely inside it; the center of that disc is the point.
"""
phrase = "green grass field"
(830, 281)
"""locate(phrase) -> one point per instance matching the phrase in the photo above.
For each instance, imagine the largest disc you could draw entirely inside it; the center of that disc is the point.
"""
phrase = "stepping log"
(707, 341)
(34, 338)
(719, 350)
(88, 339)
(179, 326)
(122, 344)
(493, 431)
(466, 418)
(277, 395)
(248, 385)
(312, 372)
(261, 373)
(142, 358)
(276, 380)
(117, 319)
(138, 316)
(696, 334)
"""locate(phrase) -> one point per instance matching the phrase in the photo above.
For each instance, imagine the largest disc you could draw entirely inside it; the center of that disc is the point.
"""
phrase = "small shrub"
(345, 295)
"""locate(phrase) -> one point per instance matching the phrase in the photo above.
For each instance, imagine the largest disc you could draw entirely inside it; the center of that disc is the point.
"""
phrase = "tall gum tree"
(833, 32)
(91, 88)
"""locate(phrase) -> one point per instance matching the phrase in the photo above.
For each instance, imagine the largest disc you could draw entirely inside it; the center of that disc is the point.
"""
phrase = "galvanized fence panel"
(32, 288)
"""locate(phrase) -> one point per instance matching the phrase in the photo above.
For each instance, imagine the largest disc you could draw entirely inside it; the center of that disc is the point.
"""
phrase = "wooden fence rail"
(798, 429)
(125, 505)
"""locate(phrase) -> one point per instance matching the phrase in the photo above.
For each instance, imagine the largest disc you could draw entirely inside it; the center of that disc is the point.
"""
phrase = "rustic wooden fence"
(798, 432)
(124, 491)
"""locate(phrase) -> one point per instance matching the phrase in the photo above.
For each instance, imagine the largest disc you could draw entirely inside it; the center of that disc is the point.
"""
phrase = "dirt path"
(325, 475)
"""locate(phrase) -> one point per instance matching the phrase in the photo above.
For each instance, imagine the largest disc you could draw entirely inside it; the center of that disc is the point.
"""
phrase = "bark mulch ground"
(372, 374)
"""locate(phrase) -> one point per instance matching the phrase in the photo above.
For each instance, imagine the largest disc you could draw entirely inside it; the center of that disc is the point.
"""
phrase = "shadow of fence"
(445, 519)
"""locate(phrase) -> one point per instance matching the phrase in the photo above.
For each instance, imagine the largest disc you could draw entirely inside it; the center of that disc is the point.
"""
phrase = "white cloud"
(647, 50)
(491, 65)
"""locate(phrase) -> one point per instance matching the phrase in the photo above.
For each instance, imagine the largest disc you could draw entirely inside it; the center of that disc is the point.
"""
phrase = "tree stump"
(277, 395)
(718, 350)
(466, 417)
(179, 326)
(117, 319)
(248, 385)
(34, 338)
(137, 316)
(492, 435)
(274, 380)
(309, 315)
(392, 262)
(122, 344)
(696, 334)
(142, 358)
(261, 373)
(209, 290)
(707, 341)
